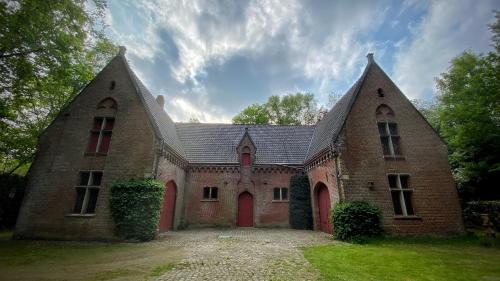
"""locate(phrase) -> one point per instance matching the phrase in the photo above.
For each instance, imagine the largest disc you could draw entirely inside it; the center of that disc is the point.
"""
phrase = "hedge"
(473, 210)
(300, 210)
(135, 207)
(355, 221)
(11, 196)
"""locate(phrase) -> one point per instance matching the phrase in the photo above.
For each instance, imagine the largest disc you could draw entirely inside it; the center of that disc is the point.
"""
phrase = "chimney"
(160, 99)
(369, 56)
(122, 50)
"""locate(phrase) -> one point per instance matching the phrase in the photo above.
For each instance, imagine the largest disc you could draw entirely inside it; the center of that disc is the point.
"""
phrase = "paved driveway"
(243, 254)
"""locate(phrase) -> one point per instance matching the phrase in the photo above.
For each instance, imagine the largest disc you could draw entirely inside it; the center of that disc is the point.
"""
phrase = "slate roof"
(217, 143)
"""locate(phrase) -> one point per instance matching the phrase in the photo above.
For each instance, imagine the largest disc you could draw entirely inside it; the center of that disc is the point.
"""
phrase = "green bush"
(300, 211)
(355, 221)
(11, 195)
(135, 206)
(473, 210)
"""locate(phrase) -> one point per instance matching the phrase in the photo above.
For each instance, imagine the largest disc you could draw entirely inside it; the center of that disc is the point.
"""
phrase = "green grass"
(53, 260)
(401, 259)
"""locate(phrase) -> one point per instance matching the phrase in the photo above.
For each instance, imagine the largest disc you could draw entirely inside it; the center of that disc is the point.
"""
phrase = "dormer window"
(246, 157)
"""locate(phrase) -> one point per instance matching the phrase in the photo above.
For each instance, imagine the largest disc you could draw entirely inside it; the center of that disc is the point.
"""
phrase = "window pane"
(395, 145)
(97, 124)
(109, 124)
(106, 139)
(396, 203)
(393, 129)
(80, 194)
(381, 129)
(206, 193)
(214, 193)
(96, 178)
(385, 145)
(393, 181)
(84, 178)
(276, 193)
(245, 159)
(284, 193)
(408, 203)
(94, 136)
(93, 192)
(404, 181)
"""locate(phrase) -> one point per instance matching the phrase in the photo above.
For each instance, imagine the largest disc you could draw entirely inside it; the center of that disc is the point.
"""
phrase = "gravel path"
(243, 254)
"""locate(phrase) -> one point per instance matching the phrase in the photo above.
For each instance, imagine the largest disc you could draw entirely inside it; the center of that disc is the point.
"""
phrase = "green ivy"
(355, 221)
(135, 206)
(300, 211)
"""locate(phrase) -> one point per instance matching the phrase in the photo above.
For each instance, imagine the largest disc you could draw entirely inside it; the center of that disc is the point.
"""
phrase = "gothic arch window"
(246, 158)
(388, 131)
(102, 128)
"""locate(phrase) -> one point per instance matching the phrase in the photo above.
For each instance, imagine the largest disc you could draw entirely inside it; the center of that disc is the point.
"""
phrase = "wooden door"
(167, 212)
(324, 209)
(245, 210)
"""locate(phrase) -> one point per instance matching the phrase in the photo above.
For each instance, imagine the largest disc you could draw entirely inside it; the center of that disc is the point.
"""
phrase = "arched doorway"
(323, 203)
(245, 209)
(167, 212)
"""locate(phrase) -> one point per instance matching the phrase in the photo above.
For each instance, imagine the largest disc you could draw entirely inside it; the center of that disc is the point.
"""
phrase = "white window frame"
(89, 185)
(210, 195)
(281, 194)
(389, 136)
(400, 191)
(101, 132)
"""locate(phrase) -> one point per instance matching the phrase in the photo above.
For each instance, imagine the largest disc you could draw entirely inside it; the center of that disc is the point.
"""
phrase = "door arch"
(168, 209)
(245, 209)
(324, 206)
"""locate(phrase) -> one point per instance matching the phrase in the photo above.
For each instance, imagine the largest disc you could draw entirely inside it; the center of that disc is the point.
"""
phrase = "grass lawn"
(52, 260)
(401, 259)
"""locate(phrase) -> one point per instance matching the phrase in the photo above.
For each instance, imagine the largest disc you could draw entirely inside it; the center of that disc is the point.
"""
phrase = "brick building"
(373, 145)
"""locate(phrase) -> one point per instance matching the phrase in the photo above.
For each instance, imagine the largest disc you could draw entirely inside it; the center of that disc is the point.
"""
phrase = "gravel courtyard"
(243, 254)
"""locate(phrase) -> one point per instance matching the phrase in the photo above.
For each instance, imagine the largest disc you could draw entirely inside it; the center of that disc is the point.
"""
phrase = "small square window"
(280, 193)
(210, 193)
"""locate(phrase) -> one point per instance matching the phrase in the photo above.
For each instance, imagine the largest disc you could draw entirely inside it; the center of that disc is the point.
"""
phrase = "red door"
(324, 209)
(167, 212)
(245, 210)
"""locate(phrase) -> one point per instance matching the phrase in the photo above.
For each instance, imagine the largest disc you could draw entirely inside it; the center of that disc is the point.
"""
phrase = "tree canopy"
(48, 51)
(291, 109)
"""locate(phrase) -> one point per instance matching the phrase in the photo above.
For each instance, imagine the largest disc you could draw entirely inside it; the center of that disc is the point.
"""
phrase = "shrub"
(473, 210)
(300, 211)
(135, 206)
(11, 195)
(355, 221)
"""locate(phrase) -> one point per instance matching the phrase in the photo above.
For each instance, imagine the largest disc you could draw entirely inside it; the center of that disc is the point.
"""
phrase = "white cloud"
(448, 28)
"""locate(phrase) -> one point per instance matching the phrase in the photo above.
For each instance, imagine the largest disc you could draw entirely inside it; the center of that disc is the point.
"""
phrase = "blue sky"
(211, 59)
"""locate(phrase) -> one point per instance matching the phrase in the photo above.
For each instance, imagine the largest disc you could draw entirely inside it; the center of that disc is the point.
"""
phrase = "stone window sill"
(95, 154)
(209, 200)
(407, 218)
(394, 157)
(80, 215)
(280, 201)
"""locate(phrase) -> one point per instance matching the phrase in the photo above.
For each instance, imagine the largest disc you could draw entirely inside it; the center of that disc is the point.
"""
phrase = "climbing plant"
(300, 211)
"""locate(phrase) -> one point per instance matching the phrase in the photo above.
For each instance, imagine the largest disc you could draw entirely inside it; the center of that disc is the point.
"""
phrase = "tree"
(291, 109)
(48, 51)
(469, 120)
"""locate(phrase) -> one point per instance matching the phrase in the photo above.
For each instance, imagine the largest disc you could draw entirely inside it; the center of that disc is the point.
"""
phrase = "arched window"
(388, 131)
(102, 129)
(246, 158)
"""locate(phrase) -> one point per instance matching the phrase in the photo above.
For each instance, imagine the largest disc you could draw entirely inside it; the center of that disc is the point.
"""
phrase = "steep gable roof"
(328, 129)
(217, 143)
(164, 126)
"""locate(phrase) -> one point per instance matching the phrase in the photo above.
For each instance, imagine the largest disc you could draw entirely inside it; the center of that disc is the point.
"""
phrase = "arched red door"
(324, 209)
(245, 209)
(167, 212)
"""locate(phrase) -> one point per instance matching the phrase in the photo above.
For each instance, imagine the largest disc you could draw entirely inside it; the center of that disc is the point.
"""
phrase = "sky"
(211, 59)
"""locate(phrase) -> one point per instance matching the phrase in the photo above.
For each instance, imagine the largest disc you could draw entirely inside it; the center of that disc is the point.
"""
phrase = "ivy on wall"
(135, 207)
(300, 210)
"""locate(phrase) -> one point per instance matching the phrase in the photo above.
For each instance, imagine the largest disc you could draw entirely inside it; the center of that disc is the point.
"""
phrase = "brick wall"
(425, 159)
(166, 172)
(51, 194)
